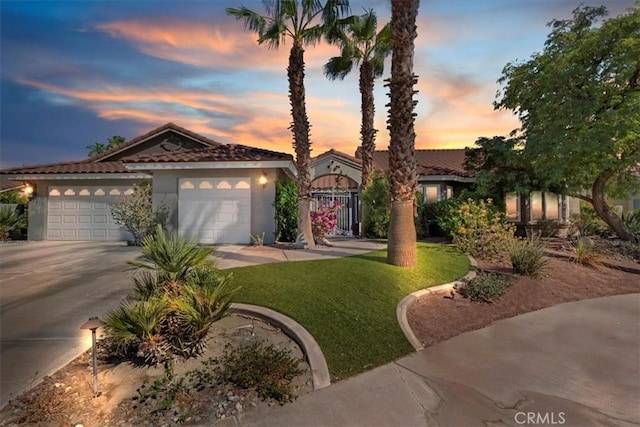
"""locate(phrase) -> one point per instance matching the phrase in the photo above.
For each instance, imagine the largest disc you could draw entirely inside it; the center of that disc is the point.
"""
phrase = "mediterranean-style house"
(224, 193)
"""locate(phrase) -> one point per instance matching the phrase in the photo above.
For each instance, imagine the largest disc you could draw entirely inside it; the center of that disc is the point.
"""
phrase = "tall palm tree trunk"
(367, 132)
(402, 161)
(302, 145)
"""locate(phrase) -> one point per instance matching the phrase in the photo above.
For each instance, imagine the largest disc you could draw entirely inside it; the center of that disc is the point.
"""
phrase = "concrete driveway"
(47, 291)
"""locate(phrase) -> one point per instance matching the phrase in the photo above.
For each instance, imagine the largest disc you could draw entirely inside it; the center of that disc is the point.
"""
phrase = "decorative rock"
(239, 407)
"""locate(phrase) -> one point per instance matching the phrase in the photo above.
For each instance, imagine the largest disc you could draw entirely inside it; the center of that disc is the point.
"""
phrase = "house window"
(513, 207)
(551, 208)
(431, 193)
(449, 192)
(536, 206)
(636, 204)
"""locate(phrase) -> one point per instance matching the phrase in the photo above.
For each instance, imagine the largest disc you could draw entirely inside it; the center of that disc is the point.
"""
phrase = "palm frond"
(145, 285)
(136, 319)
(252, 20)
(313, 35)
(338, 67)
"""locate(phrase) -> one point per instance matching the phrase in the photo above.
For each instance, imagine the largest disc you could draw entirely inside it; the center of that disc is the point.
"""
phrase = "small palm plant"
(10, 220)
(178, 294)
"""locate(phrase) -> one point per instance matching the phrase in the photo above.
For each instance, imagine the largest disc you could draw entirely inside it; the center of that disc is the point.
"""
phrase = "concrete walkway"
(231, 256)
(575, 364)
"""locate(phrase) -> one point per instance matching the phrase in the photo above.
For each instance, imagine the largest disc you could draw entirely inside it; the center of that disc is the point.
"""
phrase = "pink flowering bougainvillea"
(324, 219)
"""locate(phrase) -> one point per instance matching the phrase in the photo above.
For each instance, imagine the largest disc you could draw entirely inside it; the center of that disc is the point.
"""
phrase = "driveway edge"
(403, 306)
(295, 331)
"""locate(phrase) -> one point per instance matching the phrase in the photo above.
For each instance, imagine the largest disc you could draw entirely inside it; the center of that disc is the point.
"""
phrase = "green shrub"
(136, 214)
(632, 220)
(286, 205)
(10, 220)
(485, 287)
(483, 231)
(177, 296)
(421, 222)
(527, 256)
(375, 206)
(264, 368)
(588, 223)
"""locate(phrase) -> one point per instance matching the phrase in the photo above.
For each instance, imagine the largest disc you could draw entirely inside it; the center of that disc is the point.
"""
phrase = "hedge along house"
(215, 193)
(441, 176)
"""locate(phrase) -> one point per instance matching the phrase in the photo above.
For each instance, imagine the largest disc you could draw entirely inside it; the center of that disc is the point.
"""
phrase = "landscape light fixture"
(93, 324)
(263, 180)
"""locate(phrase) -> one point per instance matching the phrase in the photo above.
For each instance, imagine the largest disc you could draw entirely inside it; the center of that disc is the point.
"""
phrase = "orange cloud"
(201, 45)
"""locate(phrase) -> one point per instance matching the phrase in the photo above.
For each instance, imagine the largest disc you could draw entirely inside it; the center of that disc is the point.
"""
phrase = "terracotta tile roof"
(68, 168)
(429, 162)
(168, 126)
(10, 185)
(221, 153)
(327, 182)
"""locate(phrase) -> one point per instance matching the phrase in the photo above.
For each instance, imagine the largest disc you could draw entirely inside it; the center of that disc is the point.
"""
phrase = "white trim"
(455, 178)
(284, 164)
(45, 177)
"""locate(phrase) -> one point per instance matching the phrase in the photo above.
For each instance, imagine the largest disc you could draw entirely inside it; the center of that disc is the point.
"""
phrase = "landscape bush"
(10, 220)
(483, 230)
(585, 252)
(177, 295)
(324, 219)
(588, 223)
(485, 287)
(375, 206)
(527, 256)
(632, 220)
(262, 367)
(286, 204)
(135, 213)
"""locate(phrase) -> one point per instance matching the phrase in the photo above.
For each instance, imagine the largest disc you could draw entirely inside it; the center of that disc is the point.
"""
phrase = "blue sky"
(77, 72)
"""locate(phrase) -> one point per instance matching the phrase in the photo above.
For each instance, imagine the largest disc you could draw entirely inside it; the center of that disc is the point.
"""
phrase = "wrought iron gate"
(346, 213)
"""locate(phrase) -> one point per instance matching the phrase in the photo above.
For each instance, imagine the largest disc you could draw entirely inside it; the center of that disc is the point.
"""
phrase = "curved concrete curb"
(403, 306)
(295, 331)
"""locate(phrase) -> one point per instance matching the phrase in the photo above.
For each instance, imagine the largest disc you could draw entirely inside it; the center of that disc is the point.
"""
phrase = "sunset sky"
(74, 73)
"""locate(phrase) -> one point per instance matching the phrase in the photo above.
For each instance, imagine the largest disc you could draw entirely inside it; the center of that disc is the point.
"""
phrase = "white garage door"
(215, 210)
(82, 213)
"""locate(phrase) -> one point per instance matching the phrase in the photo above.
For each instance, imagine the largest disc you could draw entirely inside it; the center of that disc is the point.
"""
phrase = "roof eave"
(454, 178)
(286, 165)
(53, 176)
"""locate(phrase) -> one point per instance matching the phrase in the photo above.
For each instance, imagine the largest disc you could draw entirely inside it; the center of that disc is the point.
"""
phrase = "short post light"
(93, 324)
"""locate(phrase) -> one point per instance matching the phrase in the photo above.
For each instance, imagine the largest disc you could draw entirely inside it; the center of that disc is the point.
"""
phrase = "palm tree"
(360, 44)
(96, 148)
(115, 141)
(304, 22)
(402, 160)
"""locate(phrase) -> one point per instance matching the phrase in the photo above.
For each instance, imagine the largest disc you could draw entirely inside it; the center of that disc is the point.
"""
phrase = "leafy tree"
(579, 106)
(286, 211)
(360, 44)
(136, 214)
(305, 23)
(402, 159)
(98, 147)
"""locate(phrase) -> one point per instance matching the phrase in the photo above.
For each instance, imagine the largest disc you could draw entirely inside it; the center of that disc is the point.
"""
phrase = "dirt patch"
(66, 397)
(436, 318)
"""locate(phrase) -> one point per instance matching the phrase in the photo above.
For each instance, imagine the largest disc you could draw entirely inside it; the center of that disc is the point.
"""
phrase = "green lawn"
(349, 304)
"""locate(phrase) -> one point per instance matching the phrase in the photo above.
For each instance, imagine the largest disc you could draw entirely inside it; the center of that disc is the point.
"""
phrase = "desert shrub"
(266, 369)
(10, 220)
(588, 223)
(446, 216)
(584, 252)
(483, 230)
(545, 228)
(136, 214)
(632, 220)
(375, 206)
(485, 287)
(527, 256)
(177, 296)
(286, 204)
